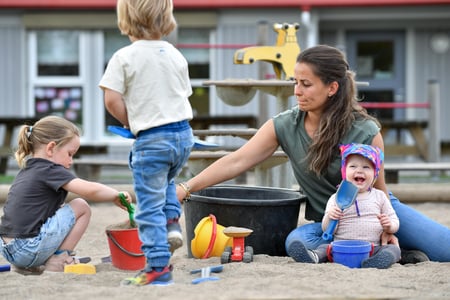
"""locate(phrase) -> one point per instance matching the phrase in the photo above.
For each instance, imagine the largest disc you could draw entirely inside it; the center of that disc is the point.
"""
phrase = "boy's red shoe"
(163, 277)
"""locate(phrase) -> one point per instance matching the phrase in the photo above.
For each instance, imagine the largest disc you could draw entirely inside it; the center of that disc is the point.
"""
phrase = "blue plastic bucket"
(350, 253)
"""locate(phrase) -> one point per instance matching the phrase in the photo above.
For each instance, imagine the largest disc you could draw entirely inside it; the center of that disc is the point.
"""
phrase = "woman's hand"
(389, 238)
(181, 194)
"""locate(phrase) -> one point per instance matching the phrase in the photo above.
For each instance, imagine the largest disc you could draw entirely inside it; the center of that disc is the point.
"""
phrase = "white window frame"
(90, 71)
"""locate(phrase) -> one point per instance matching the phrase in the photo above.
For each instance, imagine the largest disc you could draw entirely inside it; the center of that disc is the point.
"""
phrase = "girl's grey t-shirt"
(34, 196)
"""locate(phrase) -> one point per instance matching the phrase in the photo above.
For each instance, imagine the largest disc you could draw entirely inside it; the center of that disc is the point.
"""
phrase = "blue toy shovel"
(5, 268)
(345, 197)
(126, 133)
(206, 274)
(122, 131)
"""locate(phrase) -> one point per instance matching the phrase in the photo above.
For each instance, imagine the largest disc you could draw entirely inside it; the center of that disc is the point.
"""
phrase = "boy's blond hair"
(145, 19)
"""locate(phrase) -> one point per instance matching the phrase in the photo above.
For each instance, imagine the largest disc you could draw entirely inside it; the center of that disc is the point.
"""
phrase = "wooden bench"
(415, 128)
(90, 168)
(6, 150)
(392, 170)
(245, 133)
(202, 159)
(199, 160)
(5, 153)
(86, 167)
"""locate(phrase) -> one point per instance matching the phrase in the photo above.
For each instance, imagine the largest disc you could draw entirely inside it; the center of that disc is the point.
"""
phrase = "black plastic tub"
(272, 213)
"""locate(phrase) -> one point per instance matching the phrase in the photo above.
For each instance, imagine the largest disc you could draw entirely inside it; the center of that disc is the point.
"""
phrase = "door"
(378, 58)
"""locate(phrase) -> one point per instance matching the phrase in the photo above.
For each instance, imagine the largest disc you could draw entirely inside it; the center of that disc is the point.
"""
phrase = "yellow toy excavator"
(282, 55)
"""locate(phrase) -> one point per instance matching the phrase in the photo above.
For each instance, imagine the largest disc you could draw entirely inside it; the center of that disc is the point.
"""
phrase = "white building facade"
(52, 58)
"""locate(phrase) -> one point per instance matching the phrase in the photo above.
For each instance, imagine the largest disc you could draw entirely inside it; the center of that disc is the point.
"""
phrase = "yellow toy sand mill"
(282, 55)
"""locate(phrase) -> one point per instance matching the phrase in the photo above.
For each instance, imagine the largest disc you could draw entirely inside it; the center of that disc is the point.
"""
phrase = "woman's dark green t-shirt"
(293, 139)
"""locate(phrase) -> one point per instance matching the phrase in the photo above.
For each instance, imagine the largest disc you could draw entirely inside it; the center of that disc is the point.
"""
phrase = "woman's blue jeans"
(417, 232)
(157, 157)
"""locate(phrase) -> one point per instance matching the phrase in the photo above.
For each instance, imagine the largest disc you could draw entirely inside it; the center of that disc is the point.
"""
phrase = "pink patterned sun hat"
(372, 153)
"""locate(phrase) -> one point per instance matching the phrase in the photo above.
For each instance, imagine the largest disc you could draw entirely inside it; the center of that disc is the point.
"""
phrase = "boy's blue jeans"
(157, 157)
(417, 232)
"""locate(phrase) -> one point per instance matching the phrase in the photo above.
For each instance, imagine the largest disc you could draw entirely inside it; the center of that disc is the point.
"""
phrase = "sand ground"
(267, 277)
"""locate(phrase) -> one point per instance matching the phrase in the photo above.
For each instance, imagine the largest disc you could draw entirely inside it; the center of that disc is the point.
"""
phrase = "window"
(58, 53)
(195, 46)
(375, 59)
(56, 74)
(378, 58)
(63, 101)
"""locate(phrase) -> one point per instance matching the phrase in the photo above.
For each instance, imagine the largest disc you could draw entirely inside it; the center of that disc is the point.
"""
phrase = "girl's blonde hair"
(145, 19)
(46, 130)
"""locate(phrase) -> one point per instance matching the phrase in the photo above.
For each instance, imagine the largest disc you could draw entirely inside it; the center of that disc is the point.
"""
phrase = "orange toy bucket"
(125, 247)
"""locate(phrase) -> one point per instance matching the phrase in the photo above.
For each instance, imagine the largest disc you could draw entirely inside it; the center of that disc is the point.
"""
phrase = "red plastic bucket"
(125, 247)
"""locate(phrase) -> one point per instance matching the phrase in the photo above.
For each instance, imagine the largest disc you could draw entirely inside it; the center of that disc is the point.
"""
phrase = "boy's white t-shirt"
(153, 78)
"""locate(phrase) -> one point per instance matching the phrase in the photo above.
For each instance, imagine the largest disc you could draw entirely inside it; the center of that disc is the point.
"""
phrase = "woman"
(327, 115)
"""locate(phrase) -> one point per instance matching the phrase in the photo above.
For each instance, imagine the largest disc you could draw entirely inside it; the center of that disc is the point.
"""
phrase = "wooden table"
(6, 150)
(415, 128)
(417, 131)
(204, 122)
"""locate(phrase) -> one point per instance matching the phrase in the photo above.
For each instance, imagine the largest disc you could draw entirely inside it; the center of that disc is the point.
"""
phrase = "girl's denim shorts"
(35, 251)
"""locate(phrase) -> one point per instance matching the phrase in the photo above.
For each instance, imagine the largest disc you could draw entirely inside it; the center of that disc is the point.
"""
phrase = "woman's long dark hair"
(341, 110)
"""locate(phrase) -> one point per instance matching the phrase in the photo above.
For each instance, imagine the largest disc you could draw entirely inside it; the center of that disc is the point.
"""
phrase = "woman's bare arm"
(381, 182)
(260, 147)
